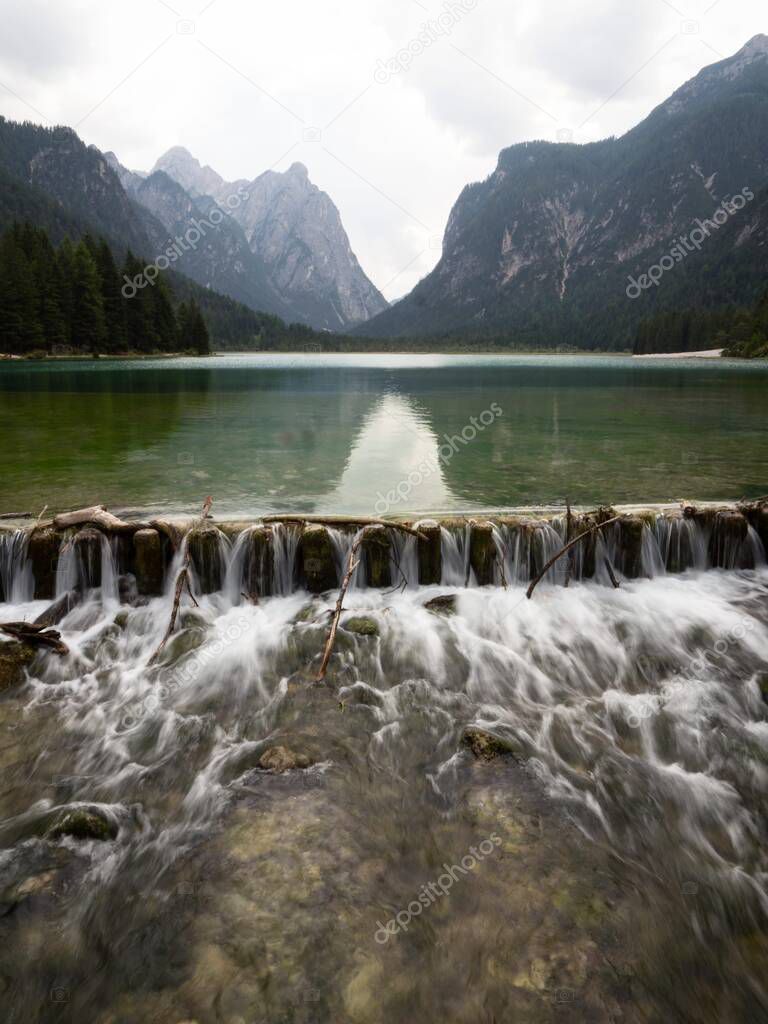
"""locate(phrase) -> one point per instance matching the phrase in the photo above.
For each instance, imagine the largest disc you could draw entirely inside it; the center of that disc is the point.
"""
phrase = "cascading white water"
(640, 710)
(16, 580)
(456, 570)
(285, 545)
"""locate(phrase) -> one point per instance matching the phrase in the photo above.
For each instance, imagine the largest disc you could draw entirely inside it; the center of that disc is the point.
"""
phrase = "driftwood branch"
(35, 636)
(182, 580)
(352, 563)
(97, 515)
(565, 550)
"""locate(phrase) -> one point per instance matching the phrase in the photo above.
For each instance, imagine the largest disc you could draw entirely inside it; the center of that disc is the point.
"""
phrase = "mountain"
(544, 250)
(212, 250)
(295, 231)
(50, 179)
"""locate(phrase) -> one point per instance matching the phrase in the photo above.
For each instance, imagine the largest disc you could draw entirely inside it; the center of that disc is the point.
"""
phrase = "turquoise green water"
(367, 434)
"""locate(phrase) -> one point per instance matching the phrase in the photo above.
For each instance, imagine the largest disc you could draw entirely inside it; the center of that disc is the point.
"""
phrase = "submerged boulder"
(15, 658)
(361, 625)
(485, 746)
(281, 759)
(82, 823)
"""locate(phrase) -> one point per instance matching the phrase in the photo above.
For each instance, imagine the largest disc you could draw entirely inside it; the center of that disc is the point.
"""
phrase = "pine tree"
(112, 299)
(193, 330)
(89, 327)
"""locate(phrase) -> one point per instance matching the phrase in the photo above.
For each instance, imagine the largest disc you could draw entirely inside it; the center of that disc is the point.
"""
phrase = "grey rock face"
(543, 249)
(295, 230)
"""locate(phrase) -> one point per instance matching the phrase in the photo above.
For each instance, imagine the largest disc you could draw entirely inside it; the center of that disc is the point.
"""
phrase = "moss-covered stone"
(281, 759)
(443, 605)
(318, 564)
(82, 823)
(149, 562)
(482, 552)
(485, 746)
(377, 548)
(361, 625)
(430, 553)
(15, 659)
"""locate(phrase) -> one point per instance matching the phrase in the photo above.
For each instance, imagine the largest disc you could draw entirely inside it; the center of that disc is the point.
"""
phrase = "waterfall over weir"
(210, 835)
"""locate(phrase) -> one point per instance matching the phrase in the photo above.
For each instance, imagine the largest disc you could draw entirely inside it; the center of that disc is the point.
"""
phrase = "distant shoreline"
(712, 353)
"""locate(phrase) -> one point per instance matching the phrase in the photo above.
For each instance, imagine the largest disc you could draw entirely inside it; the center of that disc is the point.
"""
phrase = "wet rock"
(307, 614)
(59, 610)
(377, 547)
(15, 658)
(361, 625)
(317, 559)
(82, 823)
(257, 572)
(485, 746)
(430, 553)
(87, 544)
(729, 531)
(446, 604)
(758, 517)
(205, 553)
(127, 589)
(482, 552)
(630, 553)
(281, 759)
(149, 562)
(43, 553)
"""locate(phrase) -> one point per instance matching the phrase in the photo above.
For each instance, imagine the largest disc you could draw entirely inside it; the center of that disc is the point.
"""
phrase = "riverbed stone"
(149, 562)
(377, 548)
(15, 658)
(282, 759)
(482, 552)
(485, 746)
(82, 823)
(430, 553)
(318, 565)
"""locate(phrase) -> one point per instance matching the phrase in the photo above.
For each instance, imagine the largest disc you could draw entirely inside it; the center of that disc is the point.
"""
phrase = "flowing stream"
(619, 862)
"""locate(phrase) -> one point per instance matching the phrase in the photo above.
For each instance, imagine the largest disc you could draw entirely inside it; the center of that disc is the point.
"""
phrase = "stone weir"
(281, 554)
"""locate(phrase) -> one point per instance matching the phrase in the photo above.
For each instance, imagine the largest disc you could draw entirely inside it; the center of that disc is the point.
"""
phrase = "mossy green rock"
(361, 626)
(82, 824)
(15, 658)
(485, 746)
(149, 562)
(281, 759)
(443, 605)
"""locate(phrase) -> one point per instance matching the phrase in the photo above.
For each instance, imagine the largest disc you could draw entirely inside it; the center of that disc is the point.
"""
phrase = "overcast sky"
(250, 85)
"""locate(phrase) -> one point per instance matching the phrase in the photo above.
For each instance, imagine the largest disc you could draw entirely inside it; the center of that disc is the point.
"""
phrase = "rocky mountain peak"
(179, 164)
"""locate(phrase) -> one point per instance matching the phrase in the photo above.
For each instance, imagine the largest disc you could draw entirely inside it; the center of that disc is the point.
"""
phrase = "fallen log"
(566, 549)
(97, 515)
(345, 521)
(35, 636)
